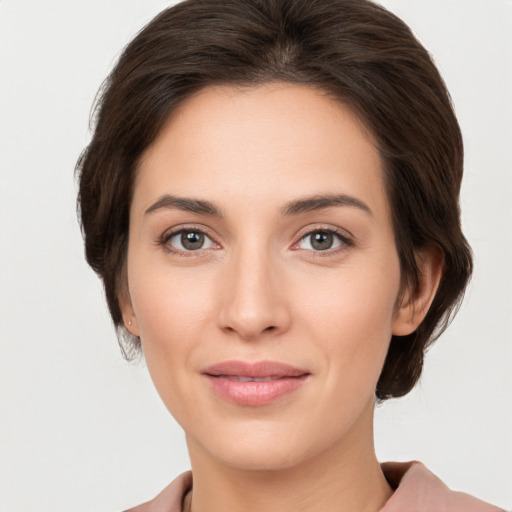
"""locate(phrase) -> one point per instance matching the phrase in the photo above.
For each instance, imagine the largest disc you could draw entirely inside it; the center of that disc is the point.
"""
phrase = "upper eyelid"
(343, 234)
(169, 233)
(344, 240)
(165, 238)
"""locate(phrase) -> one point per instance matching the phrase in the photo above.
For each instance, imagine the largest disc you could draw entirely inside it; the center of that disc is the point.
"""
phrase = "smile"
(254, 384)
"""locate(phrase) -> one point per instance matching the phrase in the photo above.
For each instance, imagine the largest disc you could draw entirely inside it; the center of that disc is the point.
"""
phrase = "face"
(263, 274)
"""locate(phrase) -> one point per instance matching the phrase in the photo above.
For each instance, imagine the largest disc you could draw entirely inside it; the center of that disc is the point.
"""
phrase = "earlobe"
(129, 318)
(416, 303)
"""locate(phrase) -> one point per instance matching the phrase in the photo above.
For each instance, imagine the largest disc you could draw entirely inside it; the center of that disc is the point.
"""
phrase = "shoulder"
(419, 490)
(170, 499)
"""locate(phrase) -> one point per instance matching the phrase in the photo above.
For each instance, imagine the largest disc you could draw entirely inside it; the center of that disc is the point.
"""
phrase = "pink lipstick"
(254, 384)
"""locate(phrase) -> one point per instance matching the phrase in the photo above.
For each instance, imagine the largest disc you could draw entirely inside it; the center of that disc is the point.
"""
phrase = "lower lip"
(255, 392)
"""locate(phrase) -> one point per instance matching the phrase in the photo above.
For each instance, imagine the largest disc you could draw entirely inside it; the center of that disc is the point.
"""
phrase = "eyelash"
(345, 241)
(168, 235)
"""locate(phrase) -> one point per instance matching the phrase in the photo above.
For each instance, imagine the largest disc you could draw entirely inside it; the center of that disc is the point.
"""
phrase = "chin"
(263, 446)
(261, 457)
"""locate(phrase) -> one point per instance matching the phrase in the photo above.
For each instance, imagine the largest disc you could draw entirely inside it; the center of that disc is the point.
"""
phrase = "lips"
(237, 378)
(254, 384)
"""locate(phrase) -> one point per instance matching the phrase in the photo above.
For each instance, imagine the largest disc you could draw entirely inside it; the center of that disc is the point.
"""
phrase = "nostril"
(270, 328)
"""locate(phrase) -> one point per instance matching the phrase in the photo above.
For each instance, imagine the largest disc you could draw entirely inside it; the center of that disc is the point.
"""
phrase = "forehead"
(268, 142)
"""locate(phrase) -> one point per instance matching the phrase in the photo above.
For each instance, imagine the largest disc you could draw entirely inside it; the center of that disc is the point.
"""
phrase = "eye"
(323, 240)
(187, 240)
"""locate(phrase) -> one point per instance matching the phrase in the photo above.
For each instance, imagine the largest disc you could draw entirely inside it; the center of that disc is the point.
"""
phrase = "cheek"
(169, 302)
(350, 320)
(172, 314)
(352, 317)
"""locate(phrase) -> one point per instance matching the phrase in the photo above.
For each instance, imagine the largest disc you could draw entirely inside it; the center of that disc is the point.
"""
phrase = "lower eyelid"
(344, 240)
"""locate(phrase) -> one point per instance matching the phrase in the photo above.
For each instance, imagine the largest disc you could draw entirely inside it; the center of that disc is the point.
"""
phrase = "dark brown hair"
(355, 51)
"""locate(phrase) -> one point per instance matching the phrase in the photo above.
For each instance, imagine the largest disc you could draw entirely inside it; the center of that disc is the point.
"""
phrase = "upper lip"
(258, 369)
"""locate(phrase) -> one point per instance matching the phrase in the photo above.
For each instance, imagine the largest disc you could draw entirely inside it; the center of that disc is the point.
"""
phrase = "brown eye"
(188, 240)
(321, 241)
(192, 240)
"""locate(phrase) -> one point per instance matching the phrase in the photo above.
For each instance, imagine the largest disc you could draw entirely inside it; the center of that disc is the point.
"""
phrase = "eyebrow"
(185, 204)
(319, 202)
(296, 207)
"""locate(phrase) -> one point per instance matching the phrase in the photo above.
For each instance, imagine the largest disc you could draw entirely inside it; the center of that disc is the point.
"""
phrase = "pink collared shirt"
(417, 490)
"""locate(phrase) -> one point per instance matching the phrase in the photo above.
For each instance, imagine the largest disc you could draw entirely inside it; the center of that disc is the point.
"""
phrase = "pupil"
(192, 240)
(322, 241)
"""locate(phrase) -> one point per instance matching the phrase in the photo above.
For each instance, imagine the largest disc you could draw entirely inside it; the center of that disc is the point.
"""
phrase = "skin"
(259, 290)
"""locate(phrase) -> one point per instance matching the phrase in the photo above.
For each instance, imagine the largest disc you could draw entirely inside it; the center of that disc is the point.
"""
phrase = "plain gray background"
(80, 429)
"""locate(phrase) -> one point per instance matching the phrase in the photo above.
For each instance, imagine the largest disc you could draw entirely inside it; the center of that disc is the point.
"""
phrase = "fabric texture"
(419, 490)
(416, 490)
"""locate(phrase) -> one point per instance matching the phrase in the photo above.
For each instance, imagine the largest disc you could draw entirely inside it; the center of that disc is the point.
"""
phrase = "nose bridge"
(253, 302)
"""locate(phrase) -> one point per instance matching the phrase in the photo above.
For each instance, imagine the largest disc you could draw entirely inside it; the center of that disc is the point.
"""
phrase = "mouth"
(254, 384)
(238, 378)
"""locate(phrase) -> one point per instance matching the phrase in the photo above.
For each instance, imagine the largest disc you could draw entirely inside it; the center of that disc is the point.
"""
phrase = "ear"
(416, 303)
(129, 318)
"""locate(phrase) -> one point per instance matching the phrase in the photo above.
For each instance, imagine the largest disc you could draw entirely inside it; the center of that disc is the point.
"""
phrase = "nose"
(253, 300)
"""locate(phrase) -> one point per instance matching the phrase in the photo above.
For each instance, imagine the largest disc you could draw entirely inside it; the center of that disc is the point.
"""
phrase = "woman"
(271, 200)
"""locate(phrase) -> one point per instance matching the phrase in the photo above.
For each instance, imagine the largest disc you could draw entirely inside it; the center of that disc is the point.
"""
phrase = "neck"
(345, 477)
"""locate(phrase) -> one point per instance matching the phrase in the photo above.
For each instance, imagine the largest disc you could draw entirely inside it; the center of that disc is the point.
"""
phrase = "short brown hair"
(355, 51)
